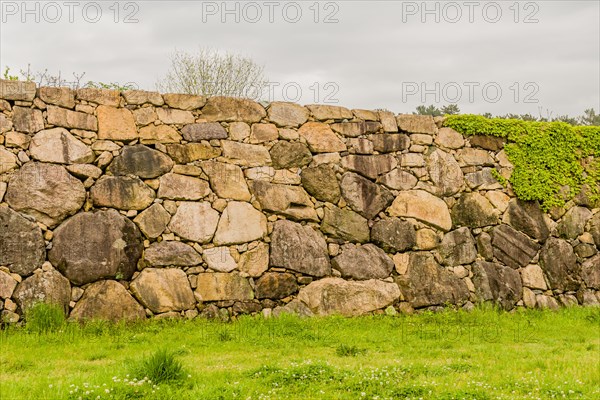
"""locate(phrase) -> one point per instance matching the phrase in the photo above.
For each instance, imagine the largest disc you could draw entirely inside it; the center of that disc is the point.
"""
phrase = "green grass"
(484, 354)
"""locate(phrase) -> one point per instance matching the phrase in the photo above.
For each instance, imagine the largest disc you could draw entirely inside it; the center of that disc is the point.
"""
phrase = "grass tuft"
(346, 350)
(44, 318)
(162, 366)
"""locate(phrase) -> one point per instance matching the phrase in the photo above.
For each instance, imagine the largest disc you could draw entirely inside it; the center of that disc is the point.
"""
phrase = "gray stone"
(394, 235)
(484, 246)
(299, 248)
(219, 259)
(338, 296)
(27, 120)
(321, 183)
(59, 146)
(364, 196)
(46, 192)
(203, 131)
(110, 250)
(286, 154)
(573, 222)
(527, 217)
(426, 283)
(370, 166)
(474, 211)
(274, 285)
(141, 161)
(416, 123)
(362, 262)
(590, 272)
(445, 173)
(287, 114)
(22, 247)
(512, 247)
(17, 90)
(492, 143)
(163, 290)
(109, 301)
(122, 193)
(48, 287)
(167, 253)
(458, 248)
(497, 283)
(559, 262)
(390, 143)
(594, 228)
(345, 224)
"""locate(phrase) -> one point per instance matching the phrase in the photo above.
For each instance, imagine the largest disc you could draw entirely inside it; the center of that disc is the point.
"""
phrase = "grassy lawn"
(483, 354)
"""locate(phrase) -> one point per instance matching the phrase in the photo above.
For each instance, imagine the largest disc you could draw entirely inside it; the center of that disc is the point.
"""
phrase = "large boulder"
(527, 217)
(223, 286)
(497, 283)
(512, 247)
(287, 200)
(230, 109)
(363, 196)
(287, 114)
(350, 298)
(363, 262)
(394, 235)
(422, 206)
(426, 283)
(122, 193)
(274, 285)
(107, 300)
(141, 161)
(48, 287)
(47, 192)
(96, 245)
(321, 182)
(240, 223)
(195, 221)
(299, 248)
(345, 224)
(559, 262)
(320, 138)
(458, 247)
(163, 290)
(59, 146)
(473, 210)
(22, 247)
(171, 253)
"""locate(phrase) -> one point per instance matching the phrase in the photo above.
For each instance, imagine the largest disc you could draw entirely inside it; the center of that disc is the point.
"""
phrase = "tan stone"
(144, 116)
(349, 298)
(107, 300)
(27, 120)
(261, 133)
(246, 154)
(223, 286)
(195, 221)
(498, 200)
(449, 138)
(227, 180)
(325, 112)
(219, 259)
(5, 124)
(422, 206)
(17, 90)
(320, 138)
(367, 115)
(59, 96)
(239, 131)
(172, 116)
(116, 124)
(291, 201)
(187, 153)
(255, 261)
(371, 166)
(138, 97)
(163, 289)
(533, 277)
(230, 109)
(184, 101)
(59, 146)
(153, 221)
(398, 180)
(388, 121)
(401, 261)
(182, 187)
(8, 161)
(427, 239)
(287, 114)
(99, 96)
(71, 119)
(16, 139)
(470, 156)
(122, 193)
(416, 123)
(153, 134)
(240, 223)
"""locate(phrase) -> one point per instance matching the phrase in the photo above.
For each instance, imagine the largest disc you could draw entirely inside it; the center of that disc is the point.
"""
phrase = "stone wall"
(133, 204)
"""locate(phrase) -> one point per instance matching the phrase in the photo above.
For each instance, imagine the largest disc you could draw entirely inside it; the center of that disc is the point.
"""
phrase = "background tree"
(436, 112)
(211, 73)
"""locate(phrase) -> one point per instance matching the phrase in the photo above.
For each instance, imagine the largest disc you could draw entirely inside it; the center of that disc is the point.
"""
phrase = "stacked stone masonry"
(124, 205)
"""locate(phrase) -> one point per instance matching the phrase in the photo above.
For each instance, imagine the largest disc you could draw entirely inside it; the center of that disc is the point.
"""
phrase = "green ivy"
(552, 160)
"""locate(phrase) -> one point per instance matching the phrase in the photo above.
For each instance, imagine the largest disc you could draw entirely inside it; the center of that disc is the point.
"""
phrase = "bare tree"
(211, 73)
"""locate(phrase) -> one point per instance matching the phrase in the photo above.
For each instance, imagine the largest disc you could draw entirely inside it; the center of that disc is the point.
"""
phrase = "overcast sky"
(496, 57)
